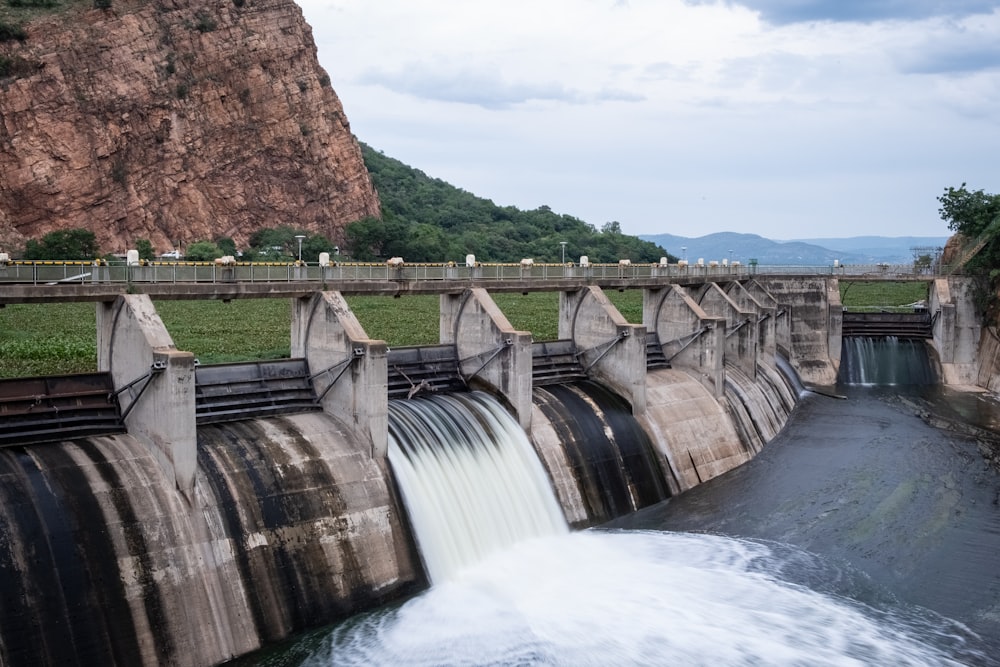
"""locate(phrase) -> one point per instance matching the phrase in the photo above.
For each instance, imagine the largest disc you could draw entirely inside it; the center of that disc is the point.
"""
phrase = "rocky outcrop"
(174, 121)
(952, 249)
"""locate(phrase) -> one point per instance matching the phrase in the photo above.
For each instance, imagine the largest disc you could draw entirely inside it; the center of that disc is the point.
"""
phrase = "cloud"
(483, 88)
(958, 52)
(783, 12)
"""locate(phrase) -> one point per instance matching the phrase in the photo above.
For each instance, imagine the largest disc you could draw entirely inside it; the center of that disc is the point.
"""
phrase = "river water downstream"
(861, 535)
(866, 483)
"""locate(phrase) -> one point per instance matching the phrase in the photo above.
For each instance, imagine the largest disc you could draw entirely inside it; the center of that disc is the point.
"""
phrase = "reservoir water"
(859, 536)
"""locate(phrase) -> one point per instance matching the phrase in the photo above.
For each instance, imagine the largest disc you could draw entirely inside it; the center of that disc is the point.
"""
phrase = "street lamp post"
(684, 252)
(300, 237)
(563, 244)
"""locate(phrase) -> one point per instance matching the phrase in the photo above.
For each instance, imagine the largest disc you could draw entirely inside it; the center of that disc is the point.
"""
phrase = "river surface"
(867, 483)
(859, 536)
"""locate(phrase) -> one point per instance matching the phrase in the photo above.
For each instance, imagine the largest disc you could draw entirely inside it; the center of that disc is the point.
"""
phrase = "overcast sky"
(784, 118)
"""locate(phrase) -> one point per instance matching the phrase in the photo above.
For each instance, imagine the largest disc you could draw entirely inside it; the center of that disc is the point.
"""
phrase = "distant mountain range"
(801, 252)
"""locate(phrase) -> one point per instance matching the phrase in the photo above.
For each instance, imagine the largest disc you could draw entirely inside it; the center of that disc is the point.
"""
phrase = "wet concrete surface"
(868, 482)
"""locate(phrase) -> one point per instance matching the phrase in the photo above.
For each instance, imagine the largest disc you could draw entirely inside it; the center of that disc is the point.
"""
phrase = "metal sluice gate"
(58, 407)
(247, 390)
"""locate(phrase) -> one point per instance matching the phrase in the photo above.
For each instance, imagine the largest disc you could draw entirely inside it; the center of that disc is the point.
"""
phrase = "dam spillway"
(219, 537)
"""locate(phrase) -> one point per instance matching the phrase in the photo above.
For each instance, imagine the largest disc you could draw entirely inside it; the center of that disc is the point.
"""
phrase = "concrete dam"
(163, 512)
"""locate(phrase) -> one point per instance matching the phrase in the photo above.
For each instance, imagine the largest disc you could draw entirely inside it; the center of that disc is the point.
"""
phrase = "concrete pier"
(349, 369)
(613, 352)
(491, 352)
(690, 337)
(155, 383)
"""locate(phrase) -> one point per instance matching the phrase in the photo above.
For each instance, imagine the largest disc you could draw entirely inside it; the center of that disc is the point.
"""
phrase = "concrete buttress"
(741, 327)
(490, 350)
(350, 371)
(613, 352)
(155, 381)
(691, 338)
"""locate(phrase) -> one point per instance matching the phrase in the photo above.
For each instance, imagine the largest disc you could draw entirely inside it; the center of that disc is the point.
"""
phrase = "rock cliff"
(173, 121)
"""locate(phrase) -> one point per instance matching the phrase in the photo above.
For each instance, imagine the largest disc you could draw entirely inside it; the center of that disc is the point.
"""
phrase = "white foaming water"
(637, 598)
(470, 479)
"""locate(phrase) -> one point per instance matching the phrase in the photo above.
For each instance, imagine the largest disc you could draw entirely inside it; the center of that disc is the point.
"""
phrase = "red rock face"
(174, 121)
(952, 249)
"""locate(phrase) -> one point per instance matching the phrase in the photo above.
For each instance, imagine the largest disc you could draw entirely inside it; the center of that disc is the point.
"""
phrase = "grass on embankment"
(878, 295)
(61, 338)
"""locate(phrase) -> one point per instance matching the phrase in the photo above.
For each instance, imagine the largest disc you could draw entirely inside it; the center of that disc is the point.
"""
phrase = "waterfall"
(888, 360)
(470, 480)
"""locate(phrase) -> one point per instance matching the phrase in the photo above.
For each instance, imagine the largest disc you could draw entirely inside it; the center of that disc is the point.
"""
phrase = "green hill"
(425, 219)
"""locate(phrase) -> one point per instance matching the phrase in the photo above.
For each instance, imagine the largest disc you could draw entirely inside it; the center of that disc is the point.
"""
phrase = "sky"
(785, 118)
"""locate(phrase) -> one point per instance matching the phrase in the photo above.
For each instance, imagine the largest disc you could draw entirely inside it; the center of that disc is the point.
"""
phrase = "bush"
(16, 66)
(202, 251)
(32, 3)
(9, 33)
(205, 22)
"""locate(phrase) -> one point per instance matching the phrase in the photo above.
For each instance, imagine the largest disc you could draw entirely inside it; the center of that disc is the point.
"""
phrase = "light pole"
(684, 252)
(563, 244)
(300, 237)
(730, 257)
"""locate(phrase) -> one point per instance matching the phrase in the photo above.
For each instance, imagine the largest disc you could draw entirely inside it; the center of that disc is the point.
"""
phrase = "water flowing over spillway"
(888, 360)
(470, 480)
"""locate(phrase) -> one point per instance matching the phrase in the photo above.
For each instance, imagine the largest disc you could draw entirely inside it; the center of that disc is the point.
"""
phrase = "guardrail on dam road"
(24, 282)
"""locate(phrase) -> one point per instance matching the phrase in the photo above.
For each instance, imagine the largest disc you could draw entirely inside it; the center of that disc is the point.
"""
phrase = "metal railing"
(55, 272)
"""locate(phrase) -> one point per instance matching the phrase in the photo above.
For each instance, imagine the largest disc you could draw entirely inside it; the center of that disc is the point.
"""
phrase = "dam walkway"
(51, 281)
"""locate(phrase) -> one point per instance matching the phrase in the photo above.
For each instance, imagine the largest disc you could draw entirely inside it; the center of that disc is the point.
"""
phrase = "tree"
(68, 244)
(974, 214)
(313, 245)
(365, 238)
(275, 244)
(202, 251)
(145, 249)
(226, 245)
(969, 213)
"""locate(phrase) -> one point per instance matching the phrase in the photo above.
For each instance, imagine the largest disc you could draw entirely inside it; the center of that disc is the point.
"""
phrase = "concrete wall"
(491, 352)
(132, 342)
(286, 528)
(816, 318)
(691, 429)
(350, 370)
(613, 352)
(957, 329)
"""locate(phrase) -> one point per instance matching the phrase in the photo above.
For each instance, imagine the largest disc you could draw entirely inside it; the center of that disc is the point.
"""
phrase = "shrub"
(10, 32)
(31, 3)
(205, 22)
(15, 66)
